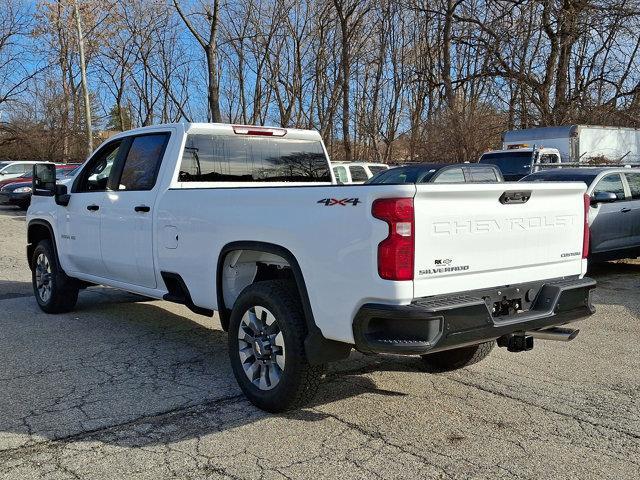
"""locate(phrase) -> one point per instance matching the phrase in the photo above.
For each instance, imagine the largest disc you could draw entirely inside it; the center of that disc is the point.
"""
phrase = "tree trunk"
(346, 74)
(214, 88)
(85, 87)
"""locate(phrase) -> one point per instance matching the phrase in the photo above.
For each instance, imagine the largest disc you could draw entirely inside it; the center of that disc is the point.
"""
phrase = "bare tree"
(210, 46)
(351, 14)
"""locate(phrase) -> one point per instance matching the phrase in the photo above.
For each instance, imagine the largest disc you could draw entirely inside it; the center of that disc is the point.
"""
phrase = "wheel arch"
(39, 230)
(318, 348)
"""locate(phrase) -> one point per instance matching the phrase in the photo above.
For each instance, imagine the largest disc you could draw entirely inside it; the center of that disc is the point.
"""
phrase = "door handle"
(625, 210)
(142, 208)
(93, 208)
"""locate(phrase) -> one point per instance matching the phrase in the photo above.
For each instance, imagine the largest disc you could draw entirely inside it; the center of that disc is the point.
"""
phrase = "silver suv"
(614, 215)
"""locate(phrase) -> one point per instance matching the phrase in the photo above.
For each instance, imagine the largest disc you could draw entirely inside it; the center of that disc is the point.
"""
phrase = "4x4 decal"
(330, 202)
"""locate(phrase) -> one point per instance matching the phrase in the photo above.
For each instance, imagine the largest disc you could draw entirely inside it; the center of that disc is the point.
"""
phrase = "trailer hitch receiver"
(516, 342)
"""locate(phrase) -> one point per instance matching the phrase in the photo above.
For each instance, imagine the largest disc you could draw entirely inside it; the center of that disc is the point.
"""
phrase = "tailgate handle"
(515, 197)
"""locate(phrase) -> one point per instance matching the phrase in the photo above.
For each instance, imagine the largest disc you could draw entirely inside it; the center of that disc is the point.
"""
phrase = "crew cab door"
(79, 221)
(126, 236)
(610, 223)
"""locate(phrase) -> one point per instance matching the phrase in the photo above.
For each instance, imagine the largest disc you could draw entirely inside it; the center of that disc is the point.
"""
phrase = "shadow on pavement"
(137, 374)
(114, 363)
(618, 284)
(10, 289)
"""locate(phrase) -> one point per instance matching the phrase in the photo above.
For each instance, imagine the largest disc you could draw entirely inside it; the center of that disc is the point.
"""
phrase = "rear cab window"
(228, 158)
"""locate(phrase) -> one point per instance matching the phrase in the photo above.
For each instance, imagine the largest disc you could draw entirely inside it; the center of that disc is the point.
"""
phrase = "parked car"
(26, 177)
(356, 172)
(9, 170)
(614, 212)
(438, 173)
(246, 221)
(516, 163)
(18, 190)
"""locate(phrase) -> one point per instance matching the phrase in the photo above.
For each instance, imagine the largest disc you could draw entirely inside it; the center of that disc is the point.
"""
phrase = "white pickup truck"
(248, 221)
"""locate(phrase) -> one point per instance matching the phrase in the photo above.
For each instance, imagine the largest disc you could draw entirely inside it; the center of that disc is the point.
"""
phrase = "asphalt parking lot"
(128, 388)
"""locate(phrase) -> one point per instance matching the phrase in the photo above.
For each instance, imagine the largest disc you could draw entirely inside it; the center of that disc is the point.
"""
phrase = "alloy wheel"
(261, 348)
(43, 277)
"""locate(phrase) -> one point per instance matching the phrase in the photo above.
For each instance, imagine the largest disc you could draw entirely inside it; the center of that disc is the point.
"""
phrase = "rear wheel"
(55, 292)
(266, 347)
(457, 357)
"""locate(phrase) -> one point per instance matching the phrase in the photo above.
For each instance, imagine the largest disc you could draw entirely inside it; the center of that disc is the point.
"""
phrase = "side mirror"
(44, 184)
(603, 197)
(44, 180)
(62, 197)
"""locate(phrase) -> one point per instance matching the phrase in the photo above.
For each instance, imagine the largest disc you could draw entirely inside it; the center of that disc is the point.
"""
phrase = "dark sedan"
(438, 173)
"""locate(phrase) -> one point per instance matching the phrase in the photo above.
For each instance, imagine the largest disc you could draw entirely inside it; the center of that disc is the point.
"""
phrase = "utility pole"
(83, 72)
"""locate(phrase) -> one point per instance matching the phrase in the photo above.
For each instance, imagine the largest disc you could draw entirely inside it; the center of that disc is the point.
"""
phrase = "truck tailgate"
(469, 237)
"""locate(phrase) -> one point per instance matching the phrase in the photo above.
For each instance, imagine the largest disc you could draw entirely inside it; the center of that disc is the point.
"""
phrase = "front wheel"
(457, 357)
(266, 347)
(55, 292)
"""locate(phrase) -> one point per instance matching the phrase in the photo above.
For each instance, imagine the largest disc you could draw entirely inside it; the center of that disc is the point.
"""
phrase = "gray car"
(614, 215)
(438, 173)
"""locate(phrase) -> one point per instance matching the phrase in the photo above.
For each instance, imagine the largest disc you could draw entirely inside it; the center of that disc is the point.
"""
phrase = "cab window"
(143, 162)
(548, 158)
(482, 175)
(633, 179)
(451, 175)
(358, 173)
(240, 158)
(341, 174)
(377, 169)
(611, 184)
(18, 168)
(95, 176)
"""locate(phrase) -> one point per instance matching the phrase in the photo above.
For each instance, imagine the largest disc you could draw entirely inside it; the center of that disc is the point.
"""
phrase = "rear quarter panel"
(336, 245)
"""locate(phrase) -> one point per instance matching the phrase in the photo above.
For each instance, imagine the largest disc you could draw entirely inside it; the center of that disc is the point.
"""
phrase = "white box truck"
(571, 144)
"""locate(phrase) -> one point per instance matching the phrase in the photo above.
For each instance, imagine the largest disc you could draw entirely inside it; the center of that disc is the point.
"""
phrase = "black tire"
(63, 292)
(297, 383)
(457, 357)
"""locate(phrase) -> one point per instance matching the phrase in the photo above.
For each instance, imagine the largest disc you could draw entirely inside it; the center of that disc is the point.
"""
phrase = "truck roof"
(230, 129)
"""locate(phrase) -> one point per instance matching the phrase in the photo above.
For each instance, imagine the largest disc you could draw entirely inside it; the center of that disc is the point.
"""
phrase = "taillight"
(585, 235)
(260, 131)
(396, 252)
